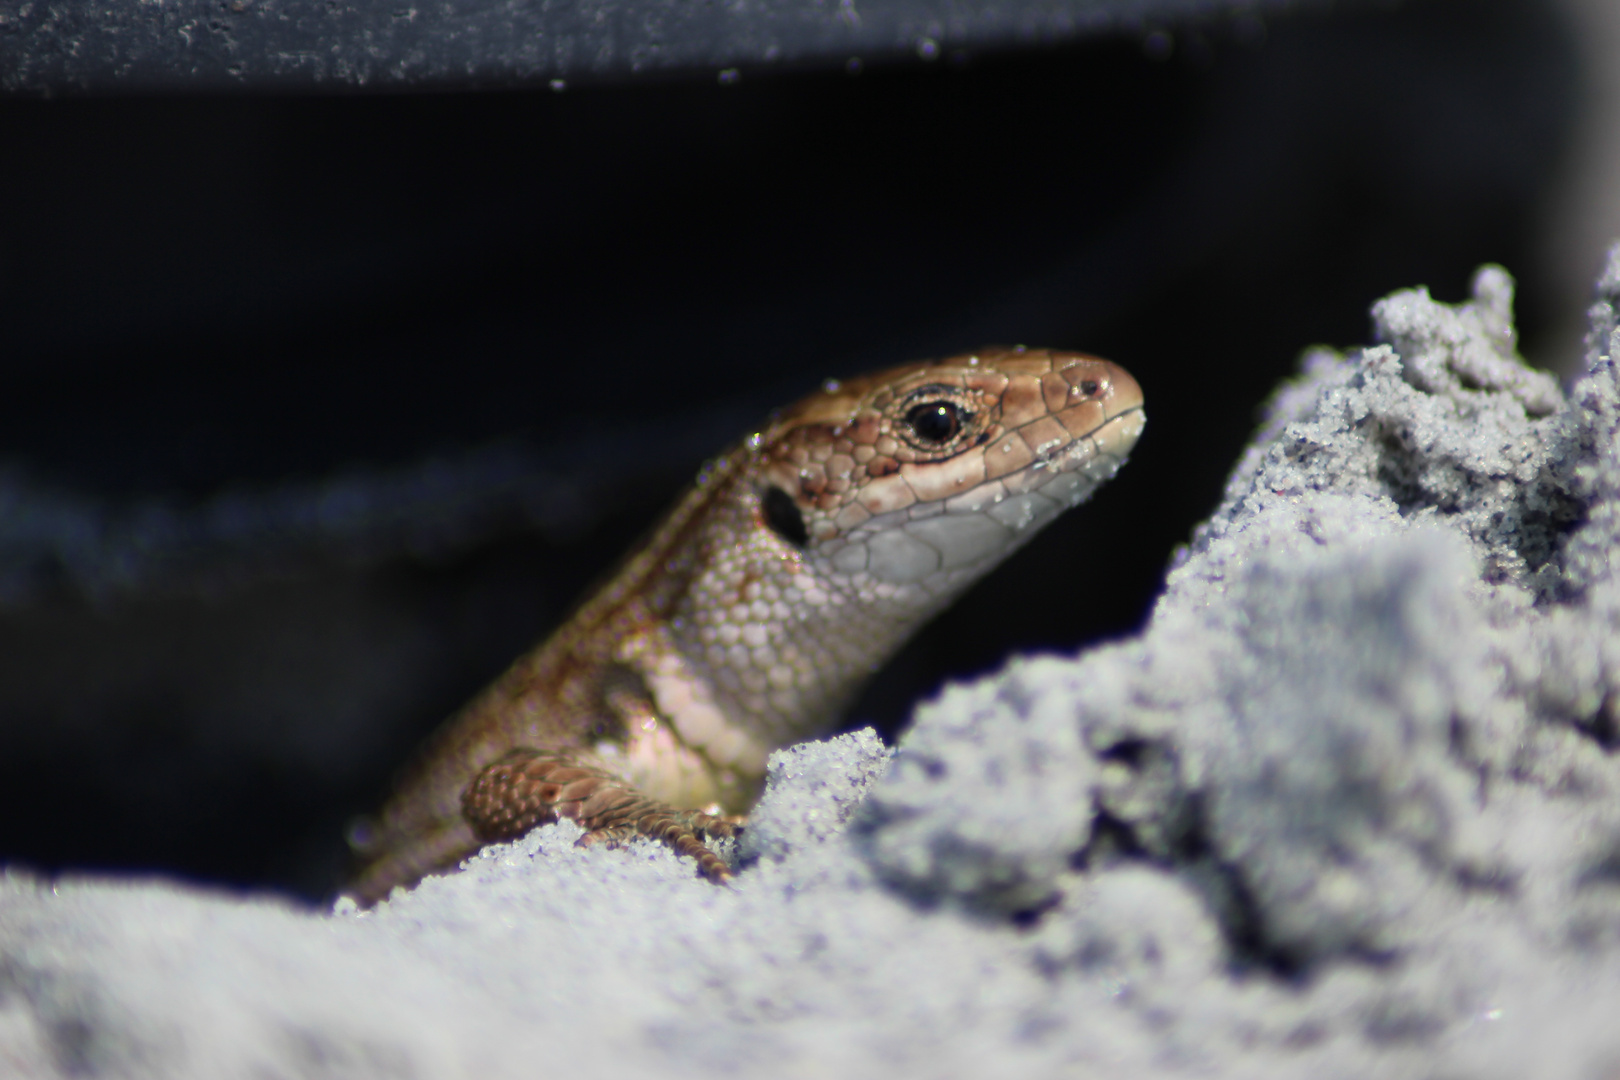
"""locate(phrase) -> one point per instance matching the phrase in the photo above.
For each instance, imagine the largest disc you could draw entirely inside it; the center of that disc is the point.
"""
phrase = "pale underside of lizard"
(792, 569)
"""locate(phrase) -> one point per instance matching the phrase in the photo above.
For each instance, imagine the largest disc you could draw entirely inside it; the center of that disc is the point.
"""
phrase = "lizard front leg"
(528, 787)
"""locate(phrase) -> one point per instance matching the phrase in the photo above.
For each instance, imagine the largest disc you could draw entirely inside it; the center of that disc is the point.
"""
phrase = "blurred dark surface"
(316, 411)
(78, 46)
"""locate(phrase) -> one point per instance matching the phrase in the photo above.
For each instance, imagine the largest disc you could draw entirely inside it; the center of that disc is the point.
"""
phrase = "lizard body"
(793, 567)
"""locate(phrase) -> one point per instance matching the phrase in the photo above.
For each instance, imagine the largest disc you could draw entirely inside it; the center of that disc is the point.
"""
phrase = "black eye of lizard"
(783, 517)
(934, 421)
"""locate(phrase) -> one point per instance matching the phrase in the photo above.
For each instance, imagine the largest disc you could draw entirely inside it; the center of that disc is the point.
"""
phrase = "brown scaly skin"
(795, 565)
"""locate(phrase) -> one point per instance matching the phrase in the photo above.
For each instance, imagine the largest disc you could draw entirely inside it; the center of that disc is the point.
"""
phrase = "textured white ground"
(1346, 808)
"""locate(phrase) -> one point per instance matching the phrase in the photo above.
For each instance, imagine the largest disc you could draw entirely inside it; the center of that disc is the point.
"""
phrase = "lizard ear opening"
(782, 515)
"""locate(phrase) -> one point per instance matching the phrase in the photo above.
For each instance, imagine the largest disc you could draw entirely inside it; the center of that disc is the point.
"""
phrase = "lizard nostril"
(1089, 387)
(782, 515)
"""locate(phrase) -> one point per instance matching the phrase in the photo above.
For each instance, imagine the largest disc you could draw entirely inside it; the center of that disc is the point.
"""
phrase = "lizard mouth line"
(1114, 437)
(1132, 417)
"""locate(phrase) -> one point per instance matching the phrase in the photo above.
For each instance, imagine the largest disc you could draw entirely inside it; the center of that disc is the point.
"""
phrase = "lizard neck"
(742, 639)
(780, 637)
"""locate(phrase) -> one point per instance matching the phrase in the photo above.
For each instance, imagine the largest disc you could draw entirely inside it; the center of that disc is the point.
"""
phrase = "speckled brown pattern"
(526, 788)
(795, 565)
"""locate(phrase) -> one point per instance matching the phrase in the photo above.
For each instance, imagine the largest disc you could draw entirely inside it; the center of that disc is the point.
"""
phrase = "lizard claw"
(683, 839)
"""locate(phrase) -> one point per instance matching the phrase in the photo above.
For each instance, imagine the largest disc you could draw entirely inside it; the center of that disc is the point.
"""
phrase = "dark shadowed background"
(316, 410)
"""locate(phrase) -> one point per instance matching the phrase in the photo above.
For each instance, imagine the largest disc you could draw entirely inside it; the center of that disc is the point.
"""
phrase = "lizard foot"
(526, 788)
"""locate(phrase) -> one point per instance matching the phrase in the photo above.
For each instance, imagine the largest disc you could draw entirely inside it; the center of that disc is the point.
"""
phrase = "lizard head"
(930, 473)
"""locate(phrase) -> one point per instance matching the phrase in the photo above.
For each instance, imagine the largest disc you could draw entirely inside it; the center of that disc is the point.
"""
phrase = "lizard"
(793, 566)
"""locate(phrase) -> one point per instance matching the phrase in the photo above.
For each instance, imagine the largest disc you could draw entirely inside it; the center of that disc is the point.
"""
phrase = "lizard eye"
(783, 517)
(936, 422)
